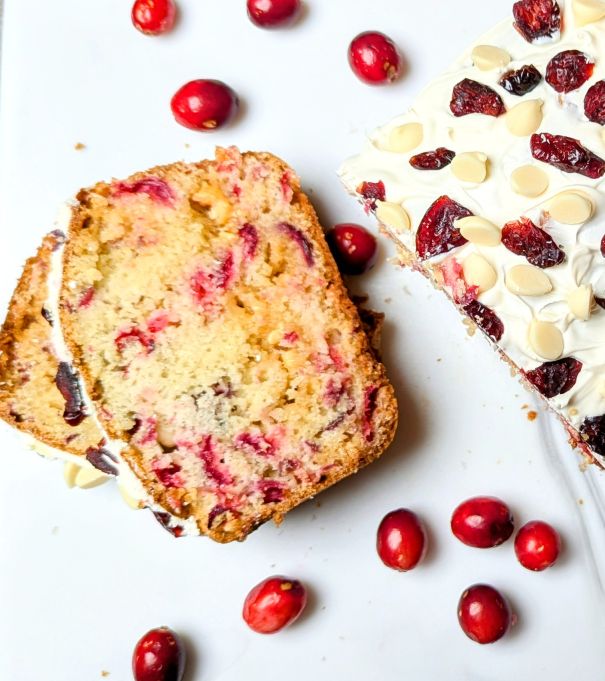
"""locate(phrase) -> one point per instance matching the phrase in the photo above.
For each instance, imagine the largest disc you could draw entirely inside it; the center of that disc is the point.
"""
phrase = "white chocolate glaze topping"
(547, 313)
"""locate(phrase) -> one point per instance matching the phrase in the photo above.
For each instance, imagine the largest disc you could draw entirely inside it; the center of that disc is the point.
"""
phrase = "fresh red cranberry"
(374, 58)
(433, 160)
(273, 13)
(536, 19)
(486, 319)
(204, 105)
(593, 433)
(436, 233)
(482, 522)
(401, 540)
(569, 70)
(537, 545)
(555, 378)
(353, 247)
(594, 103)
(521, 81)
(274, 604)
(522, 237)
(603, 246)
(469, 96)
(566, 154)
(483, 613)
(159, 656)
(153, 17)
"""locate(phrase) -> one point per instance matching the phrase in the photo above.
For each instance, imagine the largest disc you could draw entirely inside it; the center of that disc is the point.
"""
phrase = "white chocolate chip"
(488, 57)
(479, 231)
(571, 208)
(546, 340)
(588, 11)
(392, 215)
(524, 118)
(470, 166)
(527, 280)
(87, 478)
(405, 137)
(165, 435)
(529, 181)
(478, 272)
(70, 471)
(128, 498)
(580, 302)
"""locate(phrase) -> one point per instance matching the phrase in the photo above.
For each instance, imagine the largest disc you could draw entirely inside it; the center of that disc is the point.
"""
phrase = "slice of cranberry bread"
(29, 397)
(217, 340)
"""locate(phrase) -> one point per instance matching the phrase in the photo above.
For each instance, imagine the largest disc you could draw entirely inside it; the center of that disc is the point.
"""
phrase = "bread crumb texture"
(29, 397)
(216, 338)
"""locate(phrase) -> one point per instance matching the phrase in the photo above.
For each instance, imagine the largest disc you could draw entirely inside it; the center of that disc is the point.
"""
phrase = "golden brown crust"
(29, 399)
(83, 235)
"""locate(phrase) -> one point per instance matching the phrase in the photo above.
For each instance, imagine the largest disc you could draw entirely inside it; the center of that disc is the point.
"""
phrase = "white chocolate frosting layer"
(497, 198)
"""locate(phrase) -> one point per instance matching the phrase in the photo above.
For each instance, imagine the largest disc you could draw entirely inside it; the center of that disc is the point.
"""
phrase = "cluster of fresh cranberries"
(480, 522)
(401, 543)
(271, 605)
(207, 104)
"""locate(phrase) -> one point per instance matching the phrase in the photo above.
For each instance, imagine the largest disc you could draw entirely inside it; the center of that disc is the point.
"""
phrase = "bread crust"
(28, 364)
(384, 421)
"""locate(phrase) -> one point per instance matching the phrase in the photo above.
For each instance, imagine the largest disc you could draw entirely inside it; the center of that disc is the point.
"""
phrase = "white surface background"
(82, 576)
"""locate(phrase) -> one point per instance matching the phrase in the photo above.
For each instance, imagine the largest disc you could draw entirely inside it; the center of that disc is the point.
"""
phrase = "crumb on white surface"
(471, 327)
(78, 146)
